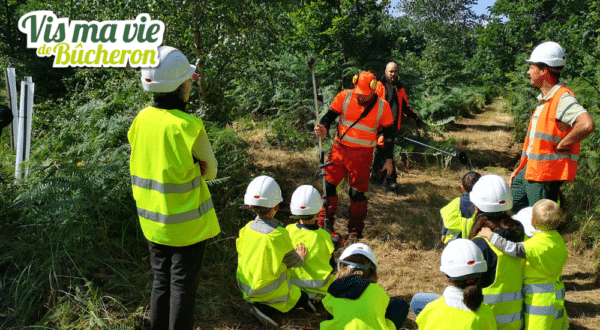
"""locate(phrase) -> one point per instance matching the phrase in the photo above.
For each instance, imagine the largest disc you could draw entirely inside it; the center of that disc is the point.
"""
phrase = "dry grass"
(403, 229)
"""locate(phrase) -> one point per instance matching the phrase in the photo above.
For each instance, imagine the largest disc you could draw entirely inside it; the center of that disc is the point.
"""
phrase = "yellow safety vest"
(505, 296)
(314, 276)
(544, 291)
(365, 313)
(439, 316)
(454, 221)
(261, 274)
(173, 202)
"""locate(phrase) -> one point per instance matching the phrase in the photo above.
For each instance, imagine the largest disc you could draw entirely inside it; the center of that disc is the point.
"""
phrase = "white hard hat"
(491, 194)
(263, 191)
(524, 217)
(359, 248)
(173, 70)
(549, 53)
(306, 200)
(461, 257)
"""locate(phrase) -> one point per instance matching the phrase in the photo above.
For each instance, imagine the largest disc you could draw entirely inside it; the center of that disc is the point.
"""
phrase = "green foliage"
(458, 102)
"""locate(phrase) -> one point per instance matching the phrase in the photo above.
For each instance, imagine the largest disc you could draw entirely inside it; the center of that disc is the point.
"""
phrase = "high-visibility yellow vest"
(544, 291)
(504, 296)
(173, 202)
(454, 221)
(261, 274)
(365, 313)
(439, 316)
(314, 276)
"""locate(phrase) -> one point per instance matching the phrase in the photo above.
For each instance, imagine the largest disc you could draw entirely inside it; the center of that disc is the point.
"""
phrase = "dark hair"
(369, 274)
(472, 294)
(260, 210)
(469, 180)
(554, 70)
(496, 221)
(178, 93)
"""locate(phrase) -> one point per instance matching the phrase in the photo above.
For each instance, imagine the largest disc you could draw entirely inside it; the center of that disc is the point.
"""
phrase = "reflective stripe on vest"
(173, 202)
(543, 162)
(502, 297)
(169, 219)
(310, 283)
(370, 140)
(544, 288)
(544, 311)
(261, 274)
(267, 289)
(505, 296)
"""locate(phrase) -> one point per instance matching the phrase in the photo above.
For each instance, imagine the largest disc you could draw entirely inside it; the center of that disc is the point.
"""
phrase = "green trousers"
(525, 192)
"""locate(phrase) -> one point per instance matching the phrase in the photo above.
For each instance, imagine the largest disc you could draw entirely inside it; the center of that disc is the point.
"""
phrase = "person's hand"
(388, 166)
(443, 238)
(512, 176)
(562, 148)
(203, 167)
(485, 232)
(320, 130)
(301, 250)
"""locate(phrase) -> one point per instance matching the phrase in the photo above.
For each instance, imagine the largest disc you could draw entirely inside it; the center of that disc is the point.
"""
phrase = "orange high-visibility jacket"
(364, 133)
(544, 163)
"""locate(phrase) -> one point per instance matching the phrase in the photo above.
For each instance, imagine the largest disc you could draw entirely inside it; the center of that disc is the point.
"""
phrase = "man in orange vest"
(390, 89)
(361, 114)
(551, 148)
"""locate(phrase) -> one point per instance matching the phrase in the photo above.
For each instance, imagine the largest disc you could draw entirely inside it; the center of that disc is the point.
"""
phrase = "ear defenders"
(372, 84)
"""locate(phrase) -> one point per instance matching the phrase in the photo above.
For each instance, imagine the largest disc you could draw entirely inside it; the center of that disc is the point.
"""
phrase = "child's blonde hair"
(370, 273)
(546, 215)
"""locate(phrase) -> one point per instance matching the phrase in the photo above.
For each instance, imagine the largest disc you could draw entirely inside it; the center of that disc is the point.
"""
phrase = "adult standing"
(171, 158)
(551, 148)
(391, 89)
(361, 114)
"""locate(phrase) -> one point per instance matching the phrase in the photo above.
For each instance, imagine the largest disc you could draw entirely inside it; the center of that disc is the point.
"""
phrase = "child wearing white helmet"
(461, 305)
(355, 301)
(503, 280)
(546, 255)
(315, 276)
(265, 253)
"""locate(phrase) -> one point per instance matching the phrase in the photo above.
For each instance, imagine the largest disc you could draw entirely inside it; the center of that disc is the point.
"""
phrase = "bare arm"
(582, 127)
(202, 151)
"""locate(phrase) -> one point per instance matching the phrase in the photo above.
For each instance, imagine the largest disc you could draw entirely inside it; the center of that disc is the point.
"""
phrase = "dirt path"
(403, 228)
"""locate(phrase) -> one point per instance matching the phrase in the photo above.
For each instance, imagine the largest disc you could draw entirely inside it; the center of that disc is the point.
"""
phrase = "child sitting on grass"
(355, 301)
(458, 216)
(314, 277)
(265, 252)
(545, 256)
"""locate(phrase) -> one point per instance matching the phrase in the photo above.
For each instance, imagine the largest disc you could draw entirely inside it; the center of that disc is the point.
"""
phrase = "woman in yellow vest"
(546, 255)
(354, 301)
(171, 158)
(315, 276)
(461, 306)
(503, 281)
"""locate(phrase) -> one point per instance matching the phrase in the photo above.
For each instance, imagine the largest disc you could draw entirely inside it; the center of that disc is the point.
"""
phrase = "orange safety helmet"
(364, 83)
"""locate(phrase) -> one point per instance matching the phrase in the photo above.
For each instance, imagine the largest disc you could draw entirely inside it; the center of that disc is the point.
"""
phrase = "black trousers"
(175, 282)
(378, 162)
